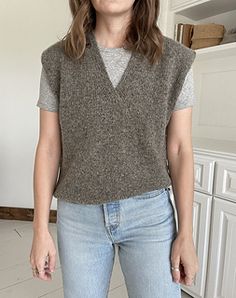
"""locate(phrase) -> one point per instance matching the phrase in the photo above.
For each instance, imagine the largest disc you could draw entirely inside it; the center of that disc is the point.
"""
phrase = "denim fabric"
(143, 227)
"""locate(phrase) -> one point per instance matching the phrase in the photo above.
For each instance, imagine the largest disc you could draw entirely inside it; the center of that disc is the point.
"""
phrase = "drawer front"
(225, 185)
(203, 174)
(175, 4)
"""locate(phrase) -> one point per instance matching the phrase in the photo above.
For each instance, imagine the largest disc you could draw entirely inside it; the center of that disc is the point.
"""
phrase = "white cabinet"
(221, 277)
(214, 224)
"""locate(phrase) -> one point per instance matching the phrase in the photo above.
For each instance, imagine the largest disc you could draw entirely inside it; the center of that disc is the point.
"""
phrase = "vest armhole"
(184, 63)
(51, 63)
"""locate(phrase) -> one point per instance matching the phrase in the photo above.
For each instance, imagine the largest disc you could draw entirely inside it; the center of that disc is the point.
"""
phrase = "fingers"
(175, 262)
(42, 256)
(52, 261)
(42, 274)
(34, 269)
(181, 274)
(190, 272)
(33, 266)
(189, 276)
(40, 268)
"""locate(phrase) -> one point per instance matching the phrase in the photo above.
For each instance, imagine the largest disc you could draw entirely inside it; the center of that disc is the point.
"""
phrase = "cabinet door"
(201, 224)
(203, 173)
(221, 277)
(225, 185)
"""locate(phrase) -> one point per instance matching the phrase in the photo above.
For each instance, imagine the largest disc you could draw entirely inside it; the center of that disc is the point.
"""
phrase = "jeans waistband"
(152, 193)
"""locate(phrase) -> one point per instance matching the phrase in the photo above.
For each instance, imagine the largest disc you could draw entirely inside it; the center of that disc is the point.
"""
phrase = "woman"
(115, 106)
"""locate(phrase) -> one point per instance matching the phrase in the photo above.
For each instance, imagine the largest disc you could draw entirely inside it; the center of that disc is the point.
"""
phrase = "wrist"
(185, 234)
(40, 228)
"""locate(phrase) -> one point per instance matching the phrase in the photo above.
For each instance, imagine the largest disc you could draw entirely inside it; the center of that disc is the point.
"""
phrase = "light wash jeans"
(142, 226)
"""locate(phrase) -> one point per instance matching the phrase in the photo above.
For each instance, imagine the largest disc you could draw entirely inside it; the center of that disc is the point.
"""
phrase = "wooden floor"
(16, 279)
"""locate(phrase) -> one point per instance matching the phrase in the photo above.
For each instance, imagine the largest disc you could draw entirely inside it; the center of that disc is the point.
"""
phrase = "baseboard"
(26, 214)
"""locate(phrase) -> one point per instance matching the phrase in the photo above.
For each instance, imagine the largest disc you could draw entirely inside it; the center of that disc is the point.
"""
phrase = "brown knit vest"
(114, 138)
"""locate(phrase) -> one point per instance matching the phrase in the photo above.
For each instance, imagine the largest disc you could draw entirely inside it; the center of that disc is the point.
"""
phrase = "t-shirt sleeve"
(47, 99)
(186, 97)
(49, 89)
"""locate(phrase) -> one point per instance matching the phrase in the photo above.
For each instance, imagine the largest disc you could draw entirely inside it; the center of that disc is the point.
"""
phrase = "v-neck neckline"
(99, 60)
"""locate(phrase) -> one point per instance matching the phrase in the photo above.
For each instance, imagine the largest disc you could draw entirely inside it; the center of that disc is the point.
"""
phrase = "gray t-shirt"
(115, 61)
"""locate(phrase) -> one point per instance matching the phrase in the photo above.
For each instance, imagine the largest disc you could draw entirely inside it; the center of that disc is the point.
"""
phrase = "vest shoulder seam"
(176, 48)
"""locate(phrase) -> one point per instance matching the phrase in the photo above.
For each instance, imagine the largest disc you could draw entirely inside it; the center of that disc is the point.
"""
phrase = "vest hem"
(103, 200)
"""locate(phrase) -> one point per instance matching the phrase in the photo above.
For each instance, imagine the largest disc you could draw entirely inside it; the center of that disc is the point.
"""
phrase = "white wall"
(26, 28)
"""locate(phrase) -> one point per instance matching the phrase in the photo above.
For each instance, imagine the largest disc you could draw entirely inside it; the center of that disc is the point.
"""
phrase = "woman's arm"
(46, 167)
(45, 175)
(181, 167)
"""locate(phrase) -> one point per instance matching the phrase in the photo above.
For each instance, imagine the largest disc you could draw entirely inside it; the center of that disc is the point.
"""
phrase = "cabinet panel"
(203, 174)
(225, 185)
(221, 278)
(201, 224)
(214, 111)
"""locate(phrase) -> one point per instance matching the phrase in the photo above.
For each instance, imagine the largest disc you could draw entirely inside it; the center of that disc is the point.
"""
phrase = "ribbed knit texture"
(113, 138)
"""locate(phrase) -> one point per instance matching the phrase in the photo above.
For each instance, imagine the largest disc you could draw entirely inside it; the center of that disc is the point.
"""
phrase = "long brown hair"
(142, 33)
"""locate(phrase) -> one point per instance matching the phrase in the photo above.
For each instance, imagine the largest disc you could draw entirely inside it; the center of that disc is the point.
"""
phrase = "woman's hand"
(183, 255)
(43, 255)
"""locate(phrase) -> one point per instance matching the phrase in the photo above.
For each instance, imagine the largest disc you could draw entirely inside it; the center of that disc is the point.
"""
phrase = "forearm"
(181, 168)
(45, 175)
